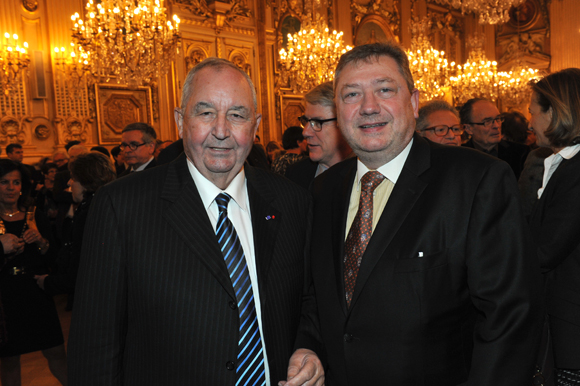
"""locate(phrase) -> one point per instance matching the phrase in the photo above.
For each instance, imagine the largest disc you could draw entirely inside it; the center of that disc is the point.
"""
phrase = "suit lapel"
(186, 214)
(265, 223)
(404, 196)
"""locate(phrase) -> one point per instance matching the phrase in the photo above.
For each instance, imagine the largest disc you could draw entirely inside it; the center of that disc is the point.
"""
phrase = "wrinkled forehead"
(223, 85)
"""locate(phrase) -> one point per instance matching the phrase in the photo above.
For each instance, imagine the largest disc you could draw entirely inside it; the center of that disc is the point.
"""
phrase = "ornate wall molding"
(73, 129)
(218, 14)
(390, 13)
(195, 51)
(12, 131)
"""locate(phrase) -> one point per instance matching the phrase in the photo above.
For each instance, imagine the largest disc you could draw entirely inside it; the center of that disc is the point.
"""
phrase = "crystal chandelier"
(513, 85)
(490, 11)
(429, 67)
(126, 39)
(74, 70)
(477, 78)
(14, 61)
(312, 56)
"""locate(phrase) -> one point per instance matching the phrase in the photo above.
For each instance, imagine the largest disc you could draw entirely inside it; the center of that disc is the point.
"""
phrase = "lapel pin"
(270, 217)
(420, 254)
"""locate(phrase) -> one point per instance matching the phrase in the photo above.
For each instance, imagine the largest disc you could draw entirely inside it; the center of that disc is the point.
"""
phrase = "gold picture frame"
(118, 106)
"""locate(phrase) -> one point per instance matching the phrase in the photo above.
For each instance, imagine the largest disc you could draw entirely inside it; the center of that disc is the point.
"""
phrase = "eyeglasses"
(133, 146)
(488, 122)
(315, 124)
(442, 130)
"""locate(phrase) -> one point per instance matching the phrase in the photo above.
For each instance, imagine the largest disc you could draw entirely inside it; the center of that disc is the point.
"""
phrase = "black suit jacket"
(302, 172)
(514, 154)
(448, 288)
(150, 165)
(154, 302)
(555, 224)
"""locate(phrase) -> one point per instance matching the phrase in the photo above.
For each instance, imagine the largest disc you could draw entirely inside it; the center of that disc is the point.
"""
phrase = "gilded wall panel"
(117, 106)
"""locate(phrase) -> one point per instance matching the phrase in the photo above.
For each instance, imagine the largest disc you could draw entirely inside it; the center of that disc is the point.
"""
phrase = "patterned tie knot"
(370, 181)
(222, 201)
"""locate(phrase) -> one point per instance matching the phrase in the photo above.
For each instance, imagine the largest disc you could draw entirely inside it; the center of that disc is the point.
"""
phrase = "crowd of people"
(381, 242)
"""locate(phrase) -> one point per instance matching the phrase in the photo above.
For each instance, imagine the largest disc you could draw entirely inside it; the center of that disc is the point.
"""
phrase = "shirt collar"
(208, 191)
(569, 151)
(391, 170)
(142, 167)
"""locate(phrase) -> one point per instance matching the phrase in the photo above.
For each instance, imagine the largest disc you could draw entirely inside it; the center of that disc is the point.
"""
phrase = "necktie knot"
(222, 201)
(370, 181)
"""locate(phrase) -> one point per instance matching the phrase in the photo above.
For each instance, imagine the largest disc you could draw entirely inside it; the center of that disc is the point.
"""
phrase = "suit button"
(347, 338)
(230, 365)
(233, 305)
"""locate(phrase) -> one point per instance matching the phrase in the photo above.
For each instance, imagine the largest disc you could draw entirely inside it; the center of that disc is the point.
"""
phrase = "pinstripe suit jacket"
(154, 302)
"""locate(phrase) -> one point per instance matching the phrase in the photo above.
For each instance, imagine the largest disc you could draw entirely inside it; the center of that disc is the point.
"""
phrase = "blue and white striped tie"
(250, 367)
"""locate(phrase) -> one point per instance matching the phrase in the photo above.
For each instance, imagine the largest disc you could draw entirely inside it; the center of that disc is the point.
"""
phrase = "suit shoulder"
(132, 183)
(280, 184)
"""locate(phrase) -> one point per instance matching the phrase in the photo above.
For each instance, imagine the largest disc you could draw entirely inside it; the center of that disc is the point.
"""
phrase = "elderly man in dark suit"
(423, 271)
(482, 120)
(193, 272)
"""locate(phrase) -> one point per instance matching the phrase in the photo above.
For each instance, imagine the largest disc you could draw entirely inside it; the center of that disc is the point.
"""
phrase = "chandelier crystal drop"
(125, 39)
(14, 61)
(311, 56)
(490, 11)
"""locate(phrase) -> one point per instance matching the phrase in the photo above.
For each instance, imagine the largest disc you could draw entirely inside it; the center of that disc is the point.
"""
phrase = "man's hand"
(11, 244)
(305, 369)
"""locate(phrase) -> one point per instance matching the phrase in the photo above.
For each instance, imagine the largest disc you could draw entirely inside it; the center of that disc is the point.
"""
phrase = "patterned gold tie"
(360, 232)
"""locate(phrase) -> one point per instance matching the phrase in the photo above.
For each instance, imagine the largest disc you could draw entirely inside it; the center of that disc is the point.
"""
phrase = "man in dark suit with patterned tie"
(423, 270)
(194, 272)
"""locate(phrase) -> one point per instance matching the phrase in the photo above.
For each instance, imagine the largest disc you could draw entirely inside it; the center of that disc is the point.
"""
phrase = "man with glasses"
(138, 146)
(482, 120)
(326, 145)
(438, 122)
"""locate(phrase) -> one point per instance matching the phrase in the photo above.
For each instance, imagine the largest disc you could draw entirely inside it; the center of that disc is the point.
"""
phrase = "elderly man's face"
(442, 118)
(324, 146)
(485, 135)
(142, 153)
(376, 110)
(218, 124)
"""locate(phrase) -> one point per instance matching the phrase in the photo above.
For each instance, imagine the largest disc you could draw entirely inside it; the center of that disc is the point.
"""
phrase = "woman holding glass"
(31, 320)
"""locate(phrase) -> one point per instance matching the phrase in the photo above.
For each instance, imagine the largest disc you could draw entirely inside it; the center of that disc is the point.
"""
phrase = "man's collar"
(142, 167)
(391, 170)
(208, 191)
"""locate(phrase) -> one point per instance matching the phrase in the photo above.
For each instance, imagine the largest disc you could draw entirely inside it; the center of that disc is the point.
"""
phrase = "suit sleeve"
(99, 321)
(504, 284)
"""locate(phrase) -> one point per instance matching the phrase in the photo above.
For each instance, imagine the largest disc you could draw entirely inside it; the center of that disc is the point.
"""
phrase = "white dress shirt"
(241, 217)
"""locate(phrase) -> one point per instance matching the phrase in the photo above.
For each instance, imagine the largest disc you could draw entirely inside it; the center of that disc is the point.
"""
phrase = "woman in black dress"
(89, 172)
(31, 319)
